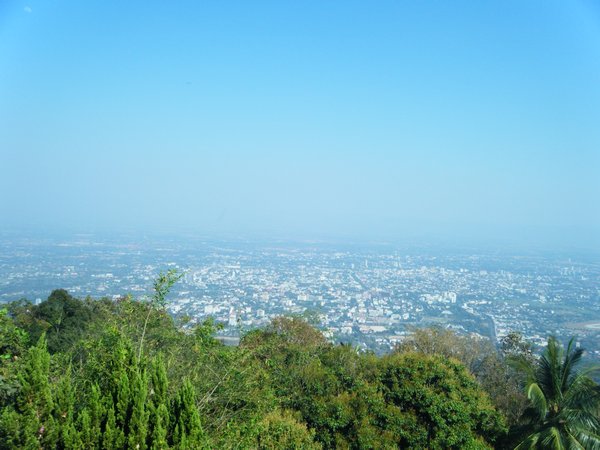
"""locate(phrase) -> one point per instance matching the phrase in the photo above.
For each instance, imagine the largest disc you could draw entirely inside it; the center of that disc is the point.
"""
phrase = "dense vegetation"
(80, 374)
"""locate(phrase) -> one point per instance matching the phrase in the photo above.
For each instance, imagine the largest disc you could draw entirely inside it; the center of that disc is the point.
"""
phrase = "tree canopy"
(124, 374)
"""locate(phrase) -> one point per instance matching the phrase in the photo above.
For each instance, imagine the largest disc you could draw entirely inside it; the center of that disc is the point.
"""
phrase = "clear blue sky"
(367, 119)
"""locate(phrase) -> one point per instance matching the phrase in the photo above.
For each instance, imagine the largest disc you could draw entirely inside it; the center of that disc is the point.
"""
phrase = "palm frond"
(530, 442)
(564, 402)
(579, 420)
(589, 440)
(552, 439)
(522, 365)
(548, 373)
(573, 443)
(538, 400)
(572, 358)
(582, 393)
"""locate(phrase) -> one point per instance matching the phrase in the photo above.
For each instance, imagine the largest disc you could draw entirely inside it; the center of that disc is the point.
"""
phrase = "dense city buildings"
(370, 296)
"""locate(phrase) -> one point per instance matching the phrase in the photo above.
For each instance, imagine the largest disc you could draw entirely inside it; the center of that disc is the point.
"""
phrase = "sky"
(374, 120)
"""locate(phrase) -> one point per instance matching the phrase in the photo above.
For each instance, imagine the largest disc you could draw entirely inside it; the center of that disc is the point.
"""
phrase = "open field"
(592, 326)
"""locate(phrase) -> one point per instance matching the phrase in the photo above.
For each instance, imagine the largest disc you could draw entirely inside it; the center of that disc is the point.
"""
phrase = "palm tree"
(565, 402)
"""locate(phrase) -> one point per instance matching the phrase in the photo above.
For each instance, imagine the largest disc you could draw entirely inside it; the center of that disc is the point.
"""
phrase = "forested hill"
(83, 374)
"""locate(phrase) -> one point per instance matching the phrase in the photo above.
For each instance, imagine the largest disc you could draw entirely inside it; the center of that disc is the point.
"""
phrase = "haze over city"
(392, 120)
(299, 225)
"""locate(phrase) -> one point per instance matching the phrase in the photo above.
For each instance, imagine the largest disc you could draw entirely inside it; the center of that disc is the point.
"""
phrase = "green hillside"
(82, 374)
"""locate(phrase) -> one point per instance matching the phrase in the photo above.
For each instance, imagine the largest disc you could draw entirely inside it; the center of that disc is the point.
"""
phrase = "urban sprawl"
(371, 297)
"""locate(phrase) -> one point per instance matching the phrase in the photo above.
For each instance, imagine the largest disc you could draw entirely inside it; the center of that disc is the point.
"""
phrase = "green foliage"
(128, 376)
(13, 340)
(162, 286)
(13, 343)
(564, 402)
(62, 318)
(354, 400)
(204, 333)
(281, 430)
(29, 421)
(481, 359)
(442, 404)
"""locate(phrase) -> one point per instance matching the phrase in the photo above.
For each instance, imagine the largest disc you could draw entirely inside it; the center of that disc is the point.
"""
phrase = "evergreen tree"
(138, 424)
(64, 412)
(160, 382)
(96, 412)
(161, 425)
(123, 405)
(35, 402)
(84, 424)
(187, 431)
(113, 437)
(13, 342)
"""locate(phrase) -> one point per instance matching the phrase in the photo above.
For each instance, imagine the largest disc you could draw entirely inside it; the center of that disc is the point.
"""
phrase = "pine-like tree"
(97, 412)
(123, 409)
(35, 403)
(113, 437)
(161, 424)
(188, 432)
(64, 410)
(138, 424)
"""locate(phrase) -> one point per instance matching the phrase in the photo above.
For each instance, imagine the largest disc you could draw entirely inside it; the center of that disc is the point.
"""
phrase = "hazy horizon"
(362, 121)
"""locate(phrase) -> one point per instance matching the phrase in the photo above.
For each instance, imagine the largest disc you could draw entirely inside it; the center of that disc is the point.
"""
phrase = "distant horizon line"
(423, 240)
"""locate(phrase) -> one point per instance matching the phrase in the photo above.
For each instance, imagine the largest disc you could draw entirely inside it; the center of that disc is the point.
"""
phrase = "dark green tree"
(437, 404)
(489, 367)
(63, 318)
